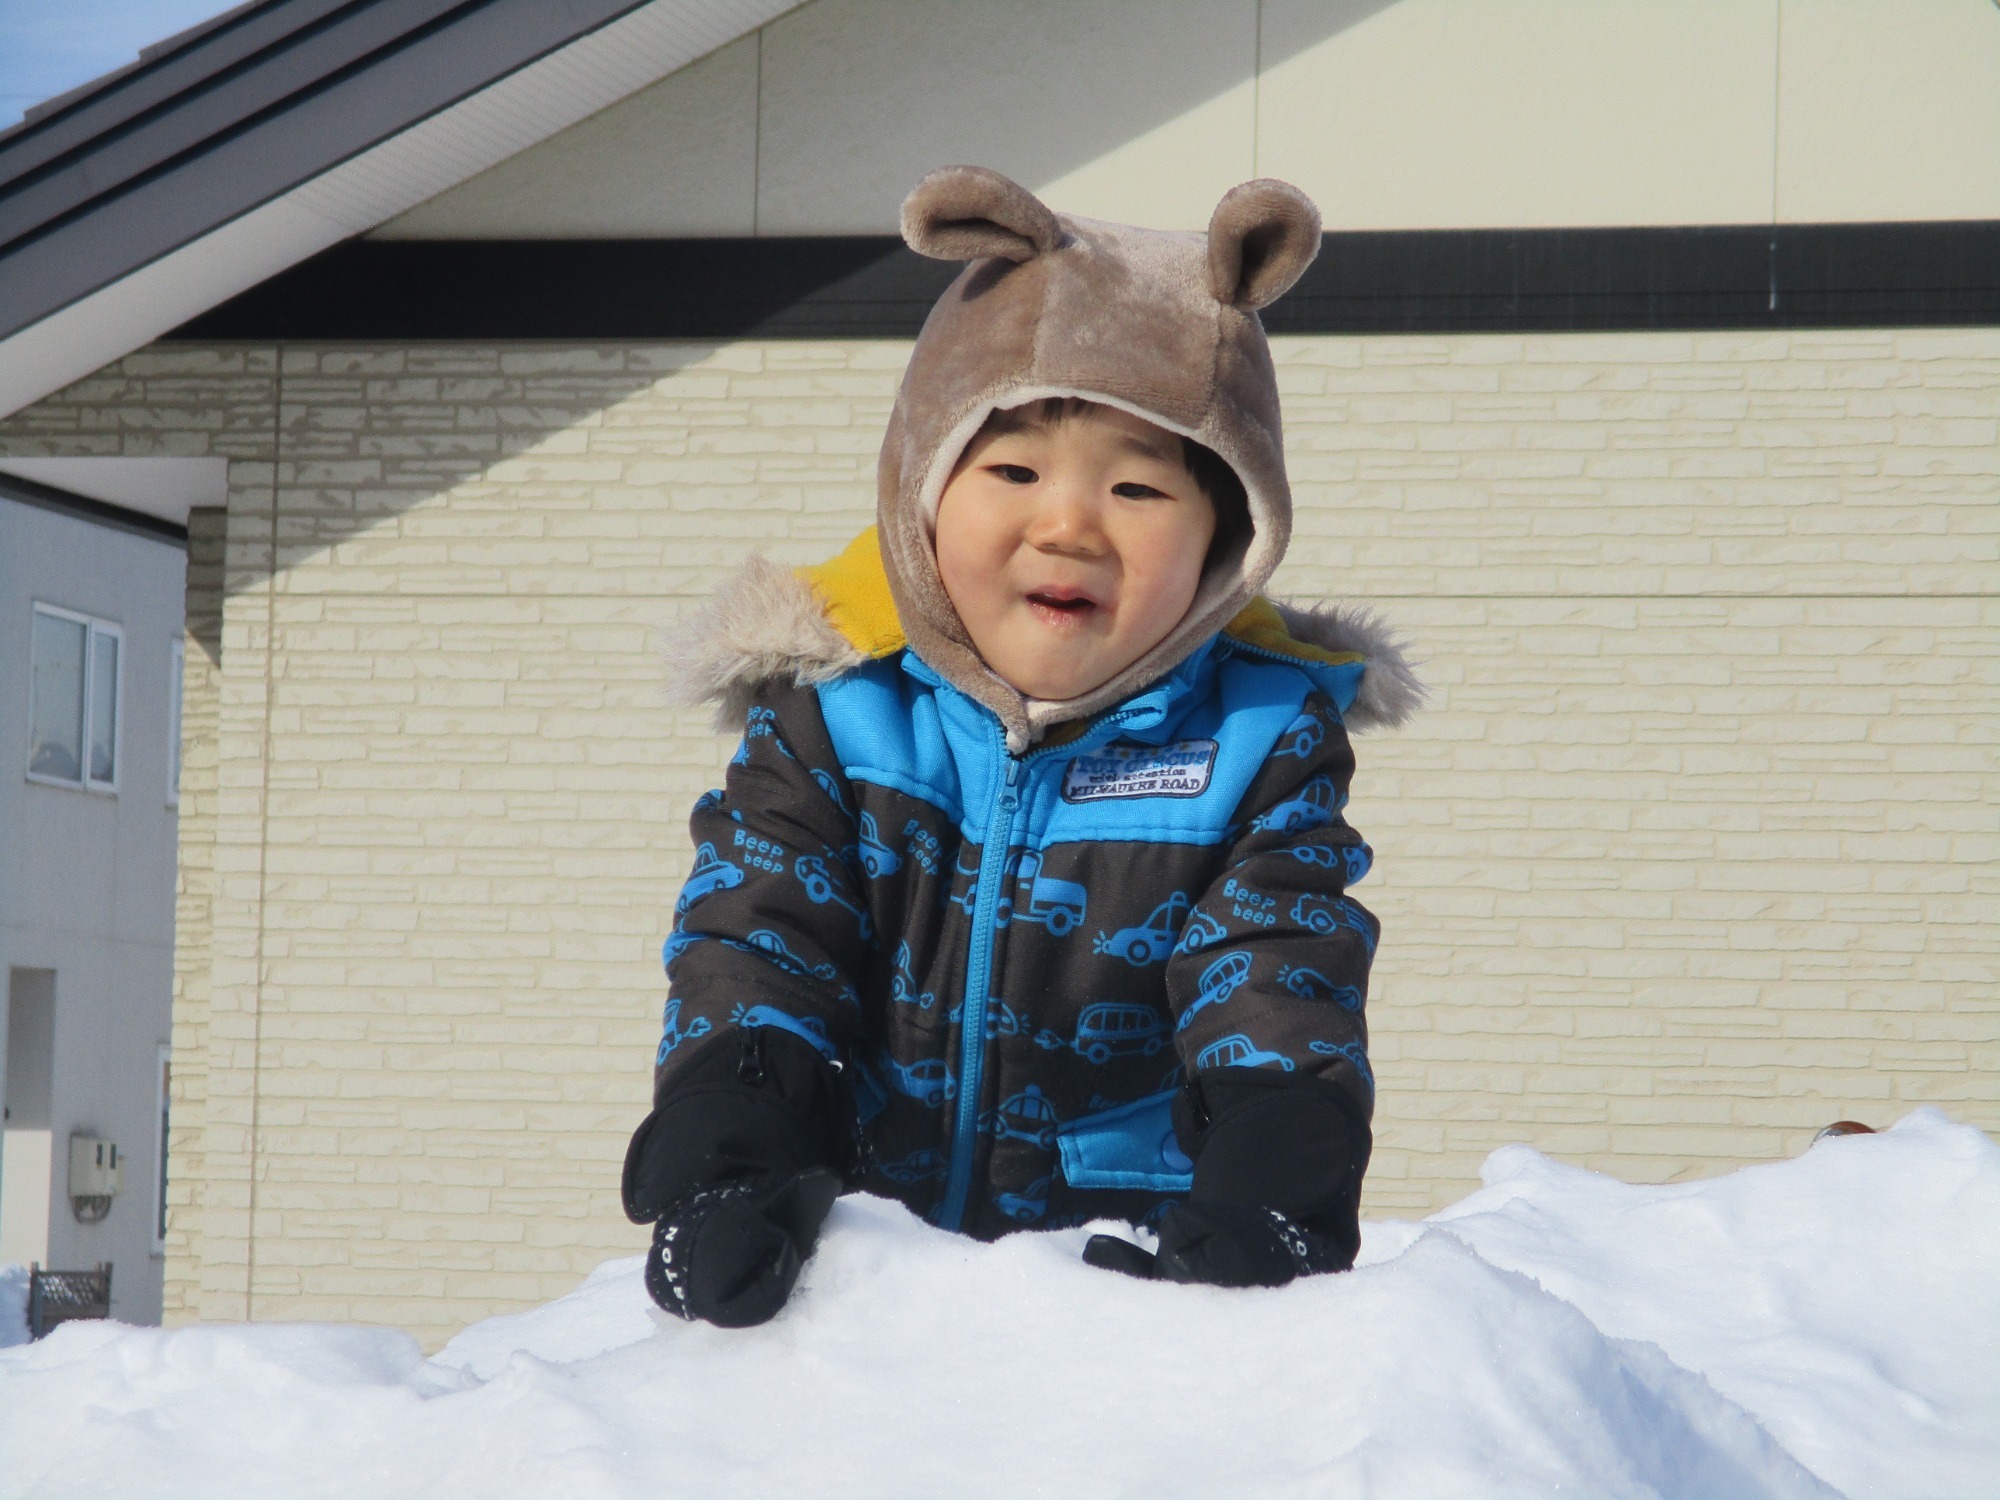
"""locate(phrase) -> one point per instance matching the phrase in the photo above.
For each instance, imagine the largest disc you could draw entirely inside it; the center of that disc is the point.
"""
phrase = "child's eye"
(1131, 489)
(1016, 473)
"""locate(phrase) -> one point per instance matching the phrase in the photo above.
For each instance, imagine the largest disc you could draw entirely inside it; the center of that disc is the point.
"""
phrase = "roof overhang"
(163, 487)
(279, 130)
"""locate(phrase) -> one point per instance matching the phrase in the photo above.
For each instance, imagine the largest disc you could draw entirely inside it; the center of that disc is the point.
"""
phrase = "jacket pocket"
(1132, 1146)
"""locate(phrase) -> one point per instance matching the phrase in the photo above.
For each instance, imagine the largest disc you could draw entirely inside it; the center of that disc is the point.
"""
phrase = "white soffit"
(164, 487)
(526, 106)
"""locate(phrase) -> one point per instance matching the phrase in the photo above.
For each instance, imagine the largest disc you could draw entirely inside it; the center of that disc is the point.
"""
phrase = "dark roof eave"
(261, 102)
(1686, 277)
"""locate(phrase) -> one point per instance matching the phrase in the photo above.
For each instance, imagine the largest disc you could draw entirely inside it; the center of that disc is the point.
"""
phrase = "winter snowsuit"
(1014, 962)
(1020, 958)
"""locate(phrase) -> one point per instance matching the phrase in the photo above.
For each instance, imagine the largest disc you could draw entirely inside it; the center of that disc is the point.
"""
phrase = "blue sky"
(50, 46)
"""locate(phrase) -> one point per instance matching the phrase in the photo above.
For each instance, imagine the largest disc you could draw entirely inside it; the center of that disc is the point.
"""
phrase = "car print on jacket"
(764, 940)
(711, 872)
(925, 1164)
(903, 984)
(827, 784)
(672, 1033)
(1315, 806)
(878, 860)
(1202, 931)
(1028, 1205)
(1238, 1051)
(1056, 904)
(1026, 1116)
(1351, 860)
(1152, 940)
(1310, 984)
(928, 1081)
(1326, 915)
(1301, 737)
(1120, 1028)
(820, 890)
(1218, 982)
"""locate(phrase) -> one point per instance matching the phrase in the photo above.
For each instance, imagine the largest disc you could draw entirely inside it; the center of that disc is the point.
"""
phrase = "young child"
(1024, 903)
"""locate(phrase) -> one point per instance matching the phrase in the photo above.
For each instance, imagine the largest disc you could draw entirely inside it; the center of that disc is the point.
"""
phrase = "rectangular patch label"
(1177, 770)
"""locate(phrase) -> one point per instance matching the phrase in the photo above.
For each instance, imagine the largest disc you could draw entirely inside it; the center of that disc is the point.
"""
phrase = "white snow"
(1818, 1327)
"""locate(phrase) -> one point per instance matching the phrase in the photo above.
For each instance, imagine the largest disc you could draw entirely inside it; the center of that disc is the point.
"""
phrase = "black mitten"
(730, 1254)
(738, 1167)
(1220, 1244)
(1278, 1160)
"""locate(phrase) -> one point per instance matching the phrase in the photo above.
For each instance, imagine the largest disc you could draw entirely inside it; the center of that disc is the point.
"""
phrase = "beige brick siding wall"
(1693, 853)
(194, 895)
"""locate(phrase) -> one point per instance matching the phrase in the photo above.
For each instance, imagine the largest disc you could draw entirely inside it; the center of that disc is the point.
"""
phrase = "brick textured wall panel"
(194, 894)
(1692, 852)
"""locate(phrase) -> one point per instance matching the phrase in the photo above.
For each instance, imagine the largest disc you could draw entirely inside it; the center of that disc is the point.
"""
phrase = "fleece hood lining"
(1218, 597)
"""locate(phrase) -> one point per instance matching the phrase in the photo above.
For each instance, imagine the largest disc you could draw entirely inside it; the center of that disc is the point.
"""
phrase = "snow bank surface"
(1825, 1326)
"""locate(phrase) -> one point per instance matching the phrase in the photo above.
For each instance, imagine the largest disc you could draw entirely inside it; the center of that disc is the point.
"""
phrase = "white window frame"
(175, 687)
(162, 1082)
(93, 628)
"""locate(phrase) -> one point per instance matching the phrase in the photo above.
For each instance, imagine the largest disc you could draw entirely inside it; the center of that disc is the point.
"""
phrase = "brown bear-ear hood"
(1158, 323)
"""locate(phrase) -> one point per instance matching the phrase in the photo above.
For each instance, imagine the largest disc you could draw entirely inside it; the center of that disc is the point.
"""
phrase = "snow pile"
(1850, 1299)
(1824, 1326)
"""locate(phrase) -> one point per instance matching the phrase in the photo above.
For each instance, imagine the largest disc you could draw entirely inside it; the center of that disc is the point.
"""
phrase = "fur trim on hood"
(807, 625)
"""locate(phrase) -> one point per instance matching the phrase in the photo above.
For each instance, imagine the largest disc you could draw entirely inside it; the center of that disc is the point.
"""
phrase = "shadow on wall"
(819, 123)
(367, 435)
(596, 471)
(1038, 91)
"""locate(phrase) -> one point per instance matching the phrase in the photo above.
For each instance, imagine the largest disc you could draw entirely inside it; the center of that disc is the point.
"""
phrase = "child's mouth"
(1061, 605)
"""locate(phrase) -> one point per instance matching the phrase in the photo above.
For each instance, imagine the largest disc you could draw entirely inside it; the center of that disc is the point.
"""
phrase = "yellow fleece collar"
(854, 589)
(1259, 624)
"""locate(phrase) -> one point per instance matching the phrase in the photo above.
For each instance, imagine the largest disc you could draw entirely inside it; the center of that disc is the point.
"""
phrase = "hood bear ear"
(1263, 236)
(964, 213)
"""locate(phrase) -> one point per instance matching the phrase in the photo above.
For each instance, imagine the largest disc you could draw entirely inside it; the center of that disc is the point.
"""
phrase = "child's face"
(1070, 549)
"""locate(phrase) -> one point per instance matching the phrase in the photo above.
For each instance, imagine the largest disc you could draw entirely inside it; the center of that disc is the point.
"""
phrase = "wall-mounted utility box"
(93, 1167)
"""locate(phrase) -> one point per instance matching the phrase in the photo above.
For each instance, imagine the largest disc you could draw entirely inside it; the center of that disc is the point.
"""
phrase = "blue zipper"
(950, 1214)
(978, 979)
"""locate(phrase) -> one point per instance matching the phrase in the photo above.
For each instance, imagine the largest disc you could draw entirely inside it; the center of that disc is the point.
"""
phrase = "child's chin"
(1059, 682)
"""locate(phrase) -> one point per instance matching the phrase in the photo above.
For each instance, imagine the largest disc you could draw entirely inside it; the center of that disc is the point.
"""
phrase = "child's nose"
(1066, 520)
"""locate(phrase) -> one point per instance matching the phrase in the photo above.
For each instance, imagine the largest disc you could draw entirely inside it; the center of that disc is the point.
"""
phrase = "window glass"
(103, 707)
(55, 744)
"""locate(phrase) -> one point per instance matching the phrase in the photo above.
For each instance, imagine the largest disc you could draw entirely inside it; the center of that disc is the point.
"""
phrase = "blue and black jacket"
(1040, 978)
